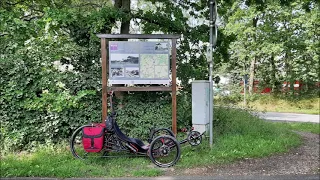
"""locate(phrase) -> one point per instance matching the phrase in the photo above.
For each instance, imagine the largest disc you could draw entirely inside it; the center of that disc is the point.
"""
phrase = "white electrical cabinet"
(200, 105)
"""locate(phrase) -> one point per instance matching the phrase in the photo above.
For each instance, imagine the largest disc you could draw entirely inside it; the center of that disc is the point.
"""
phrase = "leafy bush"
(55, 115)
(38, 101)
(144, 110)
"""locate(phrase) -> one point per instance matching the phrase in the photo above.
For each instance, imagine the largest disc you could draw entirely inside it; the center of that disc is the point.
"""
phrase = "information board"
(138, 62)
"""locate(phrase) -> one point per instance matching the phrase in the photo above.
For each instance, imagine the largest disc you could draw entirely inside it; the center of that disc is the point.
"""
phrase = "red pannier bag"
(92, 138)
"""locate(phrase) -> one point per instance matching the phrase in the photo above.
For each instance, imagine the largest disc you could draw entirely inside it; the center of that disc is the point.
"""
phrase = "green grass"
(58, 162)
(272, 103)
(244, 136)
(238, 135)
(297, 126)
(282, 104)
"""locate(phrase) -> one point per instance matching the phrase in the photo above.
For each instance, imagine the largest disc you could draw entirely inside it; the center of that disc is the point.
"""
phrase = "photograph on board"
(117, 72)
(124, 59)
(161, 47)
(132, 72)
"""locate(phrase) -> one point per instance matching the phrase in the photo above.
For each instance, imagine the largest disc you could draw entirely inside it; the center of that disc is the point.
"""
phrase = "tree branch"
(31, 18)
(4, 34)
(13, 4)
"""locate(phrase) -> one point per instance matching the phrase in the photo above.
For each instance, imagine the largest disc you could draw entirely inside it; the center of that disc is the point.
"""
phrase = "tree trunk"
(253, 62)
(125, 24)
(273, 74)
(286, 65)
(124, 29)
(251, 78)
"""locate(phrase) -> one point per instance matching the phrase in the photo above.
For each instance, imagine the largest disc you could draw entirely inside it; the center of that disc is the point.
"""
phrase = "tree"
(40, 99)
(274, 44)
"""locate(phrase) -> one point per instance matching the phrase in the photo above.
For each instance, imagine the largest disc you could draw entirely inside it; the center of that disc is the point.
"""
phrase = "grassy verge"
(272, 103)
(243, 136)
(304, 127)
(238, 135)
(58, 162)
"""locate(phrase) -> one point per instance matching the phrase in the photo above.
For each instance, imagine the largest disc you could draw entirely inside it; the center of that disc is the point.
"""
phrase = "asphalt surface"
(281, 177)
(290, 117)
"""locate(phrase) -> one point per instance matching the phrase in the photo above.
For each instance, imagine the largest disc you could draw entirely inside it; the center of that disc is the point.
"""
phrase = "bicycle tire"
(194, 138)
(154, 134)
(164, 148)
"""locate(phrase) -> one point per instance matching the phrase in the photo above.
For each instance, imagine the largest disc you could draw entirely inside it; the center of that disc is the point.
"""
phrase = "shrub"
(49, 119)
(142, 111)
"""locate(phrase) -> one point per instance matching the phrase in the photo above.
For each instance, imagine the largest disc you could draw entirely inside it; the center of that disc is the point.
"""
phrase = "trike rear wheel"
(164, 151)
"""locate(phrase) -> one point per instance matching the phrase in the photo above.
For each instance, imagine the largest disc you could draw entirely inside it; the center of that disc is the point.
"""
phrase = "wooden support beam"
(174, 85)
(104, 79)
(150, 88)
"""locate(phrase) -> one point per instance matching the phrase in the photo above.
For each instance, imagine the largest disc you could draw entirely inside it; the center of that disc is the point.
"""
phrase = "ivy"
(145, 110)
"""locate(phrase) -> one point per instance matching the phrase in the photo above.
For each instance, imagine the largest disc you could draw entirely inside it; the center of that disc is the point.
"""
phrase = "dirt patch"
(301, 160)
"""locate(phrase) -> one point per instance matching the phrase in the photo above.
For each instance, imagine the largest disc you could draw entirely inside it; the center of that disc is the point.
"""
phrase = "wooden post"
(174, 86)
(104, 79)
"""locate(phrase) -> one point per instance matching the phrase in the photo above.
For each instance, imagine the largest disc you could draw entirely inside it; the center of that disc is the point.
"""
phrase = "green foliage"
(188, 19)
(50, 70)
(142, 111)
(281, 37)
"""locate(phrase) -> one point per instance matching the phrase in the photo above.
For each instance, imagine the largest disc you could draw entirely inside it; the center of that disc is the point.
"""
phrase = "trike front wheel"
(164, 151)
(160, 132)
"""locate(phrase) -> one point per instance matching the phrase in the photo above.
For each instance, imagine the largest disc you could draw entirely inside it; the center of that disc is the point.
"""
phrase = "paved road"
(282, 177)
(292, 117)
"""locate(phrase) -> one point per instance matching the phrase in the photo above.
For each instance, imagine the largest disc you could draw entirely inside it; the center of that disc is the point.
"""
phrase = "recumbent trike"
(100, 139)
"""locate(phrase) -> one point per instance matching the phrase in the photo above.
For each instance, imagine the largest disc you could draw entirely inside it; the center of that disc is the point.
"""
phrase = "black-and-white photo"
(117, 72)
(132, 71)
(162, 47)
(124, 59)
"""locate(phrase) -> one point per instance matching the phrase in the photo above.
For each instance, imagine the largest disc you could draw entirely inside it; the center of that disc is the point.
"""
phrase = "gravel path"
(301, 160)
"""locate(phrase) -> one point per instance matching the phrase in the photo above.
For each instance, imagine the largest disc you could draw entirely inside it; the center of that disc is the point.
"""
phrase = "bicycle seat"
(123, 137)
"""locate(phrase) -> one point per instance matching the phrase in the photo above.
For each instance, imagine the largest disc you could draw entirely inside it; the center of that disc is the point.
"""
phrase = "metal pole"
(244, 91)
(210, 75)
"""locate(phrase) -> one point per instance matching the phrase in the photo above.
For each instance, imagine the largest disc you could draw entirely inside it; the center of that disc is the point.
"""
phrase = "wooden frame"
(105, 56)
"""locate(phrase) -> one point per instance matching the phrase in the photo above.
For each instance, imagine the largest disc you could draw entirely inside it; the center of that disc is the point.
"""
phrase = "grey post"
(213, 41)
(211, 24)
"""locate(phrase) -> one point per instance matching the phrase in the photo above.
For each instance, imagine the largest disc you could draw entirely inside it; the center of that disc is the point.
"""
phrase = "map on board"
(138, 62)
(154, 65)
